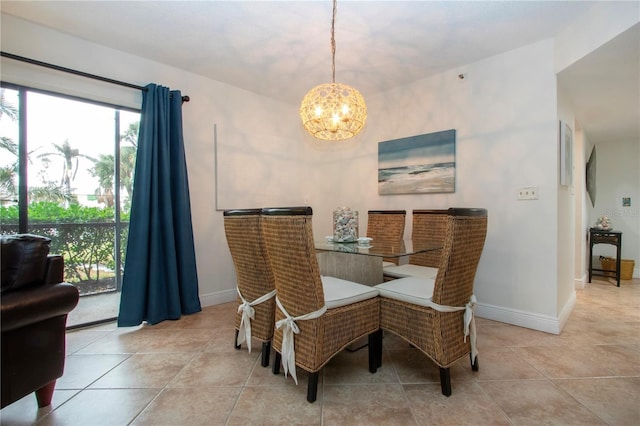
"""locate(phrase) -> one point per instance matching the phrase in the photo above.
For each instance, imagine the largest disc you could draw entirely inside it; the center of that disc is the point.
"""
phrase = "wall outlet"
(528, 193)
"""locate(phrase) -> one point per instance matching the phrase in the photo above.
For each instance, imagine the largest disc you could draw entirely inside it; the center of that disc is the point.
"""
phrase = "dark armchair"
(35, 302)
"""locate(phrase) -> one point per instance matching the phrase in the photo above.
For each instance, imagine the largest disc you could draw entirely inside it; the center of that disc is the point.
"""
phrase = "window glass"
(74, 198)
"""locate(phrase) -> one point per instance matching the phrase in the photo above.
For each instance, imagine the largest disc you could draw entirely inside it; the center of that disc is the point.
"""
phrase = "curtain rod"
(76, 72)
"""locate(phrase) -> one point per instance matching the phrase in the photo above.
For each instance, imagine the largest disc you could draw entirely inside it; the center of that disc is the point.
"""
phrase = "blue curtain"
(160, 279)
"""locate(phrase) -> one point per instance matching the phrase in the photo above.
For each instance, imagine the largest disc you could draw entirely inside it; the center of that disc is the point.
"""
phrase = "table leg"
(618, 255)
(358, 268)
(590, 259)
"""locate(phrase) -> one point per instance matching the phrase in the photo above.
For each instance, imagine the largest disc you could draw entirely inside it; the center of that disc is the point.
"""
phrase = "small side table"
(597, 236)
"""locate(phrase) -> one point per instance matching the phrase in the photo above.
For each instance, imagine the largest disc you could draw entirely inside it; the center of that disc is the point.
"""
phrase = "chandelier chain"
(333, 41)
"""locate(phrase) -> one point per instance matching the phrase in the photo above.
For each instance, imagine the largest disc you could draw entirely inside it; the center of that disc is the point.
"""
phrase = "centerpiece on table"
(345, 225)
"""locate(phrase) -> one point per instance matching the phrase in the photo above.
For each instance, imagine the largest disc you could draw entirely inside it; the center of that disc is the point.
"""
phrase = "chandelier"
(333, 111)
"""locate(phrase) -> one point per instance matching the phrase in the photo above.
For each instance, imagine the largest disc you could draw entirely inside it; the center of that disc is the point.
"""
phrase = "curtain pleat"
(160, 279)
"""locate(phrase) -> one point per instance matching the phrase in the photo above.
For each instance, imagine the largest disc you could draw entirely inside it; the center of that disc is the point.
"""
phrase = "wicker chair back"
(465, 235)
(243, 229)
(428, 226)
(386, 226)
(288, 235)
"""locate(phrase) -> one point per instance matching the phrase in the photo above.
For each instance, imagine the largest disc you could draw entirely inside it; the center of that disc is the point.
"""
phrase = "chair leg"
(235, 342)
(380, 336)
(474, 363)
(445, 381)
(266, 350)
(277, 359)
(375, 350)
(44, 395)
(373, 353)
(312, 388)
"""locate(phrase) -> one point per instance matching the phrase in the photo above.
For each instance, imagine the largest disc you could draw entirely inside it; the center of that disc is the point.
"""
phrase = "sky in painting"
(438, 147)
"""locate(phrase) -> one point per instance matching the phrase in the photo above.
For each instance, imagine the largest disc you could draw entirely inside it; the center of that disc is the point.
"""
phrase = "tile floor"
(187, 373)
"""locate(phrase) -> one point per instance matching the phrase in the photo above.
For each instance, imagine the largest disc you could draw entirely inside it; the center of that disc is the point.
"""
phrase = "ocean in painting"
(418, 164)
(424, 178)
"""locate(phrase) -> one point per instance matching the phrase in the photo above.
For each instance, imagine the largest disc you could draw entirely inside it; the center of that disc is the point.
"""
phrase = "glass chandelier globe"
(333, 111)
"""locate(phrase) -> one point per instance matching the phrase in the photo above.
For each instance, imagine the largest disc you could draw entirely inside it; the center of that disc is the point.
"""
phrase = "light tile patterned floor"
(187, 373)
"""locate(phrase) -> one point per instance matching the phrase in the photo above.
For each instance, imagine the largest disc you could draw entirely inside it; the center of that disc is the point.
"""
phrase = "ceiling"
(604, 89)
(281, 49)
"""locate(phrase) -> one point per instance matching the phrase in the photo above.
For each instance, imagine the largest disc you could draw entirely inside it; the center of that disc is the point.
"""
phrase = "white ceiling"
(281, 49)
(604, 88)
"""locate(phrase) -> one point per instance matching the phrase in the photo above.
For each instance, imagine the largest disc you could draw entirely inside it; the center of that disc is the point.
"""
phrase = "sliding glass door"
(66, 172)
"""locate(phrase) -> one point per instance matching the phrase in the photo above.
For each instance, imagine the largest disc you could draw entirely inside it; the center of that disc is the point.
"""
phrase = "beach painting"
(420, 164)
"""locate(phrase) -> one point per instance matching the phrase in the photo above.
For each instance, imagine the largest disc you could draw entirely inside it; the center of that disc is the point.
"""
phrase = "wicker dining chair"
(386, 227)
(429, 226)
(316, 317)
(255, 283)
(436, 315)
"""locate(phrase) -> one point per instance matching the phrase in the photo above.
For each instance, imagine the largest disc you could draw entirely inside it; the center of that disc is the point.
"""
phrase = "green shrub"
(85, 236)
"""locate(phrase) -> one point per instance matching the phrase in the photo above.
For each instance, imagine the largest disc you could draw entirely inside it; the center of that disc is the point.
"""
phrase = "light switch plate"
(528, 193)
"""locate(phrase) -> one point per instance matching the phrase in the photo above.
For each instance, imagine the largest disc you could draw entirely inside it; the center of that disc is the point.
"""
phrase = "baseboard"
(545, 323)
(218, 297)
(580, 283)
(566, 310)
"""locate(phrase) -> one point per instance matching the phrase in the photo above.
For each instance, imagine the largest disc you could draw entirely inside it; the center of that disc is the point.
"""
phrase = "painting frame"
(566, 154)
(590, 173)
(421, 164)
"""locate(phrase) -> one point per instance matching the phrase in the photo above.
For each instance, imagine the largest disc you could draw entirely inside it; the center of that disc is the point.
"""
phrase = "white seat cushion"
(409, 270)
(418, 291)
(338, 292)
(387, 264)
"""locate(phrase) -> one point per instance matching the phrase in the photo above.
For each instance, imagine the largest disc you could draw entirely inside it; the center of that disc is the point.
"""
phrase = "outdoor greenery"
(83, 235)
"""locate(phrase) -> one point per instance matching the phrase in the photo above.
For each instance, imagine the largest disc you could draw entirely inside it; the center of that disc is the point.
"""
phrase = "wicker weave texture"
(462, 249)
(429, 226)
(254, 274)
(440, 335)
(386, 228)
(291, 249)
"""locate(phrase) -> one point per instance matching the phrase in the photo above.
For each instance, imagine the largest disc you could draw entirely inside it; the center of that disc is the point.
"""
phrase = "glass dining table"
(363, 263)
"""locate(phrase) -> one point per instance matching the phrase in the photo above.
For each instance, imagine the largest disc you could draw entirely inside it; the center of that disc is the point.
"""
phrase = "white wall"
(505, 112)
(617, 173)
(618, 176)
(566, 217)
(256, 135)
(582, 200)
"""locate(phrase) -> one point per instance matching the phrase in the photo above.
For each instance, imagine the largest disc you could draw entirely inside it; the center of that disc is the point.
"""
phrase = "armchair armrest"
(29, 306)
(54, 269)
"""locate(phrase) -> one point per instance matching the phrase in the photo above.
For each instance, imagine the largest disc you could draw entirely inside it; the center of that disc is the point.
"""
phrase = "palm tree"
(131, 134)
(8, 189)
(70, 156)
(9, 172)
(127, 168)
(7, 108)
(104, 167)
